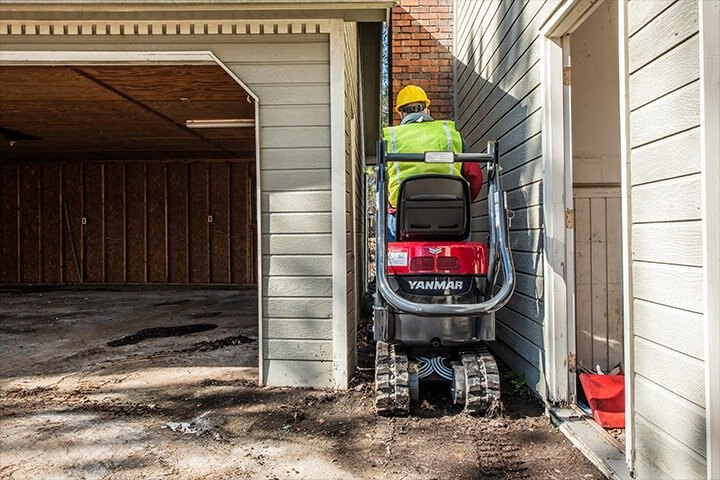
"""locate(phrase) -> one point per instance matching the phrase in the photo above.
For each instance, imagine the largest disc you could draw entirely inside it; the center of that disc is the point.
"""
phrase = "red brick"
(422, 43)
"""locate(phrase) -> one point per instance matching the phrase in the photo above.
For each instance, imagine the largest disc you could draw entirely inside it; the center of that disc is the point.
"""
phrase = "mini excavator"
(438, 291)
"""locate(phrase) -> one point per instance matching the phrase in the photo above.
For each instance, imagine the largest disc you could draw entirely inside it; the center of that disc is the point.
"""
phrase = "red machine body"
(437, 258)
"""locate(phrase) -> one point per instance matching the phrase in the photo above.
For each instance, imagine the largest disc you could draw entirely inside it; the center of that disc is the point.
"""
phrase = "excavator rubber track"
(482, 383)
(392, 392)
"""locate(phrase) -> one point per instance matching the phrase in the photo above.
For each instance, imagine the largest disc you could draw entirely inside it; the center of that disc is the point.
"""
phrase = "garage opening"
(127, 217)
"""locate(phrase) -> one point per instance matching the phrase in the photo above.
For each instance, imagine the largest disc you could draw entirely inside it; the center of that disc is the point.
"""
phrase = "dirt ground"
(72, 406)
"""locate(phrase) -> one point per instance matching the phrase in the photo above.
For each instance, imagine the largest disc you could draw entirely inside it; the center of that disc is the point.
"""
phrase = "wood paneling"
(61, 83)
(220, 226)
(8, 219)
(156, 236)
(136, 221)
(177, 221)
(51, 223)
(598, 277)
(72, 196)
(273, 52)
(107, 112)
(29, 218)
(114, 231)
(199, 231)
(241, 224)
(169, 82)
(93, 229)
(145, 222)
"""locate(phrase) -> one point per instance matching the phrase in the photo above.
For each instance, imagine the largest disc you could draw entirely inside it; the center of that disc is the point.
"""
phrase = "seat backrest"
(433, 207)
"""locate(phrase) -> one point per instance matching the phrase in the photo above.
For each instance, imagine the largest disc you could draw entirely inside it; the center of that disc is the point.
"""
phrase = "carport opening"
(127, 211)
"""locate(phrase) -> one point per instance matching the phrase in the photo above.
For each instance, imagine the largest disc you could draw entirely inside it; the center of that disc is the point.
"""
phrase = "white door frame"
(710, 175)
(559, 268)
(30, 58)
(625, 200)
(340, 331)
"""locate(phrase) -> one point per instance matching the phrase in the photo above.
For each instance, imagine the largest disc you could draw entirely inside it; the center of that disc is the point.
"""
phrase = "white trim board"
(567, 17)
(339, 238)
(162, 27)
(557, 198)
(626, 205)
(158, 58)
(556, 315)
(710, 175)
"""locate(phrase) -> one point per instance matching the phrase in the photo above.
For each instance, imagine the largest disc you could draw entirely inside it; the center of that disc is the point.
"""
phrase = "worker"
(418, 132)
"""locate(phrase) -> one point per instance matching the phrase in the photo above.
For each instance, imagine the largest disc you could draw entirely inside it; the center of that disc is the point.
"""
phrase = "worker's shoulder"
(422, 124)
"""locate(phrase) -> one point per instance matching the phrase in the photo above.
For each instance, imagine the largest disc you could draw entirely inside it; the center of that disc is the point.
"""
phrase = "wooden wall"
(598, 277)
(667, 264)
(127, 223)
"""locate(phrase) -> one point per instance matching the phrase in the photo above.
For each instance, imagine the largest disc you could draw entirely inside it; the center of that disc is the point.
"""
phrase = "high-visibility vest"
(420, 137)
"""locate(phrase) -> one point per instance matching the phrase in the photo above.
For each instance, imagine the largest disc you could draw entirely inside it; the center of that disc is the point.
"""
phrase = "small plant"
(520, 385)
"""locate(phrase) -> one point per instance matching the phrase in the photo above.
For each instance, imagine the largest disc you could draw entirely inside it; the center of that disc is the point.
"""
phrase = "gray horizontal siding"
(299, 329)
(299, 373)
(279, 286)
(498, 96)
(667, 276)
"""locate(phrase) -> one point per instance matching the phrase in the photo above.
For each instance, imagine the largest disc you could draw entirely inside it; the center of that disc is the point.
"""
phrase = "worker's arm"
(472, 172)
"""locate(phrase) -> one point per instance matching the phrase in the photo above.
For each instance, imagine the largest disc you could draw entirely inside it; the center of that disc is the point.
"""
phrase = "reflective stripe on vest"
(421, 137)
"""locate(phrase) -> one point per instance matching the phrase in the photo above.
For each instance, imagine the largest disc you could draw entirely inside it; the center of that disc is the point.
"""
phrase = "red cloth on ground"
(472, 172)
(606, 396)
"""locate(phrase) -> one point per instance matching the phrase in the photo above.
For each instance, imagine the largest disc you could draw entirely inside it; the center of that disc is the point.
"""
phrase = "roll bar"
(499, 241)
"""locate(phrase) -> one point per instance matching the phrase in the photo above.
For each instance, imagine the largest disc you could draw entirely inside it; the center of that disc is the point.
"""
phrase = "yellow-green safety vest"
(420, 137)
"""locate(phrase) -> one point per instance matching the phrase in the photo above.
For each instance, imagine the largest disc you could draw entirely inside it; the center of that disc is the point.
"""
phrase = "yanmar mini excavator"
(437, 291)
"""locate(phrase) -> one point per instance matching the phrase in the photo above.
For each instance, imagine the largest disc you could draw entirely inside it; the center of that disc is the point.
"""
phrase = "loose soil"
(74, 407)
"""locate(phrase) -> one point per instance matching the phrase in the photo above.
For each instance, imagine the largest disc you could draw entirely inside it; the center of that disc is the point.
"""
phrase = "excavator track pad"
(392, 391)
(482, 383)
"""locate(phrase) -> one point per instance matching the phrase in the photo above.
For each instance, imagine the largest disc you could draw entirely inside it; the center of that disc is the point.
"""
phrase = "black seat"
(433, 207)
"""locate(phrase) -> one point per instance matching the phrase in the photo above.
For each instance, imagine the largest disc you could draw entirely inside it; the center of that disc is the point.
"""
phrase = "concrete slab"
(63, 332)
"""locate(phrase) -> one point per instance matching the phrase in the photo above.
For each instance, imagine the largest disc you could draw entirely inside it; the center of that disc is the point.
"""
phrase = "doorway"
(595, 171)
(593, 196)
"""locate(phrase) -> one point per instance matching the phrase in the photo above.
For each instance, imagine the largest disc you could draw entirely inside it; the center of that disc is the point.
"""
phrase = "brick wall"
(422, 51)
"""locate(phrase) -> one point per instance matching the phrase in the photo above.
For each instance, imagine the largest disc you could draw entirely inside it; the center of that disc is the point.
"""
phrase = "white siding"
(498, 96)
(664, 99)
(290, 76)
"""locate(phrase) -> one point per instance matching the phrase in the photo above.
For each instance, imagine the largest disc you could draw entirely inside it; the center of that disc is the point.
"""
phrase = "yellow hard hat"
(411, 94)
